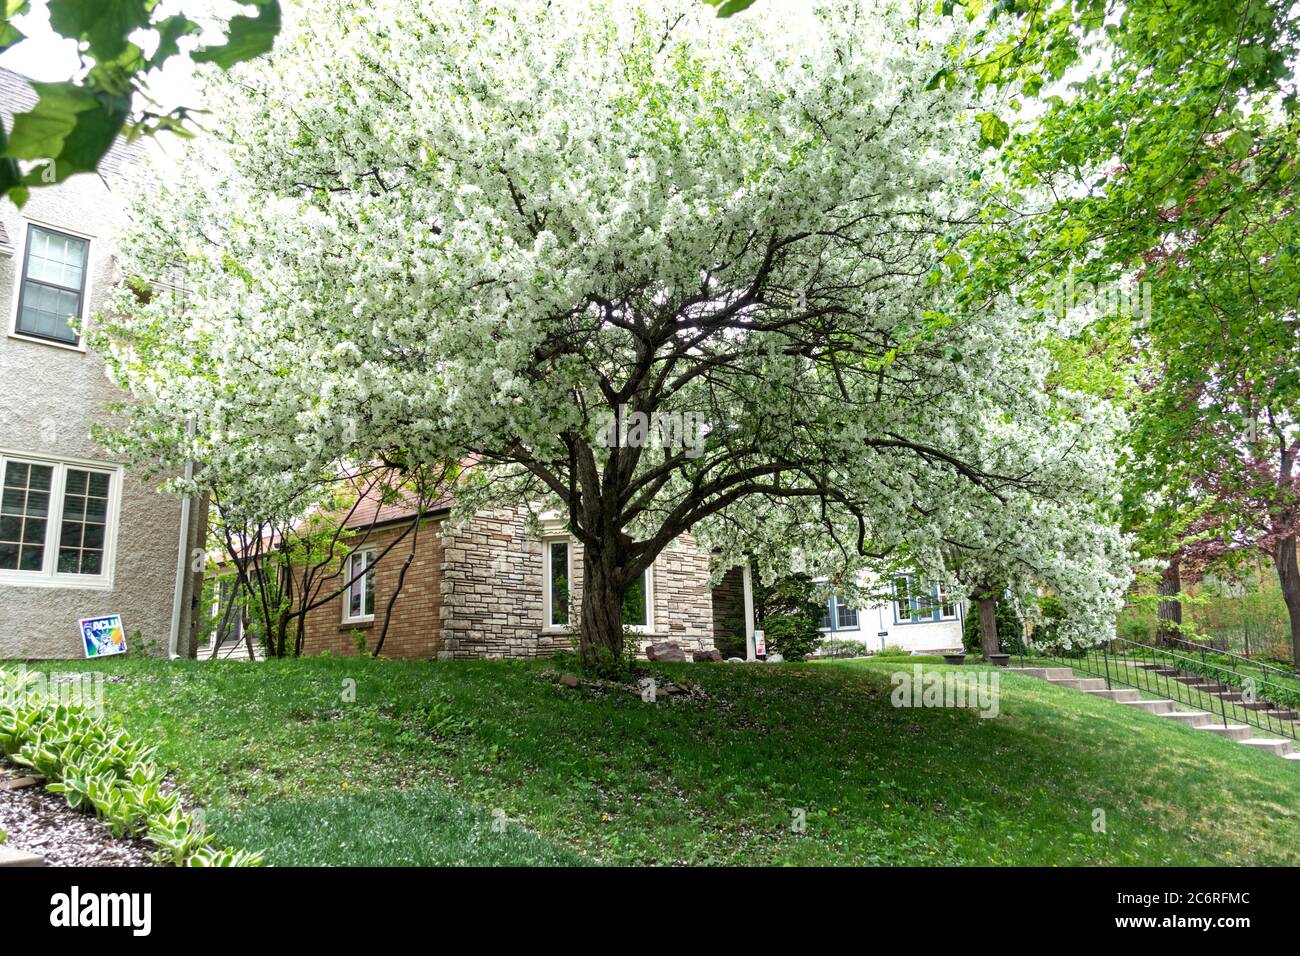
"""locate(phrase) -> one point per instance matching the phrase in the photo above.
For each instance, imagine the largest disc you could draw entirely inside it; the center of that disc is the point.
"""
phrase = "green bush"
(794, 636)
(790, 616)
(837, 648)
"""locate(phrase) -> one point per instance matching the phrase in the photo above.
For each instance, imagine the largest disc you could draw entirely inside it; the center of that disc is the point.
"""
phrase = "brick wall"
(416, 622)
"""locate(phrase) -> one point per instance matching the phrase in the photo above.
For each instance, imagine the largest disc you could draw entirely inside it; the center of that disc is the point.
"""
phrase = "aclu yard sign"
(103, 636)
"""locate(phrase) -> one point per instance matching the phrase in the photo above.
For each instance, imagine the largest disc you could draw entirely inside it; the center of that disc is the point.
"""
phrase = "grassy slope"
(413, 769)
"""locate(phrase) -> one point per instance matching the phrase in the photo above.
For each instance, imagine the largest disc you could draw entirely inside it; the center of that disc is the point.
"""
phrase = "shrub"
(790, 616)
(836, 647)
(100, 769)
(794, 636)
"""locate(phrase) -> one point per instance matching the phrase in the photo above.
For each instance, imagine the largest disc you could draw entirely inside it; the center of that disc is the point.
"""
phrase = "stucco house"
(80, 535)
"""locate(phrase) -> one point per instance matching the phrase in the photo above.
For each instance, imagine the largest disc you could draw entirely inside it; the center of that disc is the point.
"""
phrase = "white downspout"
(182, 556)
(748, 589)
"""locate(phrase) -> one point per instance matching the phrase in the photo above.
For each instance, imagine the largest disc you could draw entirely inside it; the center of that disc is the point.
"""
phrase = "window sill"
(351, 622)
(53, 343)
(18, 579)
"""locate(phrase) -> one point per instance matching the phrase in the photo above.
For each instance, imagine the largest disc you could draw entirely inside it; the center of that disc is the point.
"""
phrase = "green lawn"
(424, 761)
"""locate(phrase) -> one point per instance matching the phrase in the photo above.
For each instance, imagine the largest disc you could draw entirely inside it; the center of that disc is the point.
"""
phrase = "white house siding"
(49, 396)
(878, 629)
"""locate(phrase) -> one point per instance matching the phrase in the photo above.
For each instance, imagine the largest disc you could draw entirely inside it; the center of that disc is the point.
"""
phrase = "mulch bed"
(42, 823)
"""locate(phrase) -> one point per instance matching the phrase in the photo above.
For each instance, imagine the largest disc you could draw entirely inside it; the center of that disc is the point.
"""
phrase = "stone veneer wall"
(729, 613)
(492, 592)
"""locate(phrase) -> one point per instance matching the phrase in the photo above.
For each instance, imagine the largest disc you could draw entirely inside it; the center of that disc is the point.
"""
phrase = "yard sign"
(103, 636)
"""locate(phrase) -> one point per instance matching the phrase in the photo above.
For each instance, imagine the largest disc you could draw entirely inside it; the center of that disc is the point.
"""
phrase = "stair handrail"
(1099, 658)
(1250, 661)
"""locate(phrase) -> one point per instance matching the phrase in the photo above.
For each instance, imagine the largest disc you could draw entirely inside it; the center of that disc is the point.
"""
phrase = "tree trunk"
(989, 643)
(601, 627)
(1169, 613)
(1288, 575)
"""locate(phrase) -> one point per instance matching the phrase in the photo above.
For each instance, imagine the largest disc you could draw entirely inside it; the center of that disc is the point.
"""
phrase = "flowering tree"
(497, 227)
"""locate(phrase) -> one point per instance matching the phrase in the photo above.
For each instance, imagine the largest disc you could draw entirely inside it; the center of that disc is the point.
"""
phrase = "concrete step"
(1044, 673)
(12, 857)
(1039, 672)
(1122, 694)
(1209, 686)
(1276, 714)
(1291, 756)
(1079, 683)
(1281, 748)
(1240, 732)
(1150, 706)
(1192, 718)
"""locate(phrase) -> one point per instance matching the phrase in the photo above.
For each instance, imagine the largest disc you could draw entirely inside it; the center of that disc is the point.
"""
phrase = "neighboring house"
(80, 536)
(490, 588)
(922, 618)
(493, 588)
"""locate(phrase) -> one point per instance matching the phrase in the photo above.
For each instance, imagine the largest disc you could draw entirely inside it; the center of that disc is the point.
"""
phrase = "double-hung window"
(57, 522)
(53, 285)
(557, 557)
(557, 594)
(838, 615)
(917, 601)
(637, 602)
(359, 598)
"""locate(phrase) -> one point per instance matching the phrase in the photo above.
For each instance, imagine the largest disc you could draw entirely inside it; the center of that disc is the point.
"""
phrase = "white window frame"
(20, 262)
(358, 583)
(831, 608)
(547, 615)
(49, 576)
(649, 625)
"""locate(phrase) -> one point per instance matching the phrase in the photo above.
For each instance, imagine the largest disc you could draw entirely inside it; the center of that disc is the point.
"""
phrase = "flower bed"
(100, 769)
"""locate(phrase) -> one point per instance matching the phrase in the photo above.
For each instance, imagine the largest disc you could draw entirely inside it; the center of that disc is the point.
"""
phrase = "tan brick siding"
(415, 628)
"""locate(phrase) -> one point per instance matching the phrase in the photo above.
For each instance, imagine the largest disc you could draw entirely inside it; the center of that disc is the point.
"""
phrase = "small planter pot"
(999, 660)
(954, 658)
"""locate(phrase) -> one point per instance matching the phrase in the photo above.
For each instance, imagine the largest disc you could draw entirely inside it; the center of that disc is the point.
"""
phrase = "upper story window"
(56, 522)
(359, 598)
(917, 601)
(53, 285)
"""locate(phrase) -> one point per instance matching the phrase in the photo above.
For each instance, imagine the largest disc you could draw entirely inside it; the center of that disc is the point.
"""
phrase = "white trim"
(359, 582)
(20, 258)
(182, 556)
(649, 626)
(567, 541)
(49, 576)
(747, 589)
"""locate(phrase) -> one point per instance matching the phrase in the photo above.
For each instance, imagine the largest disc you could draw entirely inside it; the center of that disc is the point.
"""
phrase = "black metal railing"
(1232, 697)
(1229, 659)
